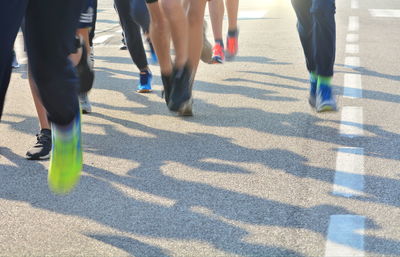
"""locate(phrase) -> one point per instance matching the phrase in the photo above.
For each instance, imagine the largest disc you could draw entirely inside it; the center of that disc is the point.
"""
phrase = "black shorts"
(86, 19)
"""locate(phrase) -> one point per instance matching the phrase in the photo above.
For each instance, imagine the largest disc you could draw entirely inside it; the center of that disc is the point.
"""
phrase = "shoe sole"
(144, 91)
(186, 108)
(326, 108)
(38, 158)
(217, 62)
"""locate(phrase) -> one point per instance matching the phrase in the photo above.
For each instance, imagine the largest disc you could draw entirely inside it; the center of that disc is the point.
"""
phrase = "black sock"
(220, 42)
(232, 33)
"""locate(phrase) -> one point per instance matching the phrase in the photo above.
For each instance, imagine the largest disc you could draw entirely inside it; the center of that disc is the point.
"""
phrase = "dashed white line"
(385, 13)
(349, 175)
(352, 62)
(352, 38)
(352, 86)
(354, 4)
(352, 121)
(354, 24)
(352, 49)
(247, 15)
(346, 232)
(345, 236)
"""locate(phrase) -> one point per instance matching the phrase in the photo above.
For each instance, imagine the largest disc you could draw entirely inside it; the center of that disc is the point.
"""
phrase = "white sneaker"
(85, 104)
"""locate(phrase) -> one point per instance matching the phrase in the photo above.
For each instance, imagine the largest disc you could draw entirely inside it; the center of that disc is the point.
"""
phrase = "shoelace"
(42, 139)
(217, 50)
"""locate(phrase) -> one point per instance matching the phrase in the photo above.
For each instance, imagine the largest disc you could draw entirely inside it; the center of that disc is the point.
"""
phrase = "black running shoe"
(41, 150)
(181, 91)
(166, 80)
(85, 71)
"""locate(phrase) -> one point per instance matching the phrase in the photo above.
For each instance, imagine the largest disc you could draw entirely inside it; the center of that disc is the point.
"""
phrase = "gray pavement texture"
(251, 174)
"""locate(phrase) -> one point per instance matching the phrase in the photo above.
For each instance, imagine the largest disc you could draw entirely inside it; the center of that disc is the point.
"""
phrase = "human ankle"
(324, 80)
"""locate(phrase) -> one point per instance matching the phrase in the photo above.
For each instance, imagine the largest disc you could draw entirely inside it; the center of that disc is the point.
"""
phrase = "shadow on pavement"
(199, 212)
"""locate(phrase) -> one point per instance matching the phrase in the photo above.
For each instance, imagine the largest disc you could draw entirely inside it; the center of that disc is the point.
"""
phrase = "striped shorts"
(86, 19)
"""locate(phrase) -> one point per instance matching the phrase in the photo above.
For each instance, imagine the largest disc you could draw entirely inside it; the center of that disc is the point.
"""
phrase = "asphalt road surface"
(255, 172)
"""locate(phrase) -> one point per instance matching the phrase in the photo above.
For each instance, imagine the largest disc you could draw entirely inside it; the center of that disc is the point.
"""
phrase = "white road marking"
(352, 85)
(352, 121)
(349, 175)
(101, 39)
(354, 24)
(352, 38)
(352, 49)
(354, 4)
(352, 62)
(250, 15)
(345, 236)
(385, 13)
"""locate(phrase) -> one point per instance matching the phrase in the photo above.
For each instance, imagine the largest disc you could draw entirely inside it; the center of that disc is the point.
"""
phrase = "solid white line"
(352, 85)
(354, 4)
(385, 13)
(349, 175)
(352, 62)
(345, 236)
(354, 24)
(352, 38)
(352, 49)
(352, 121)
(101, 39)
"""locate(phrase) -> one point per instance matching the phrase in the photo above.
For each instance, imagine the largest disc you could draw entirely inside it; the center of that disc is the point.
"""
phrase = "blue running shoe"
(66, 157)
(154, 58)
(145, 82)
(312, 98)
(325, 101)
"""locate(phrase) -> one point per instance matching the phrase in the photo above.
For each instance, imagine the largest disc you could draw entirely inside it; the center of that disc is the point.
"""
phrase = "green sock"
(313, 77)
(324, 80)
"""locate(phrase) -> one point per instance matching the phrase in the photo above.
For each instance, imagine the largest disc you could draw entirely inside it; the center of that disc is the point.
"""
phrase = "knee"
(170, 6)
(158, 25)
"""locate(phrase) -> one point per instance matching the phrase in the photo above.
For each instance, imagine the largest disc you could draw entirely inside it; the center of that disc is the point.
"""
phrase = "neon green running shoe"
(66, 157)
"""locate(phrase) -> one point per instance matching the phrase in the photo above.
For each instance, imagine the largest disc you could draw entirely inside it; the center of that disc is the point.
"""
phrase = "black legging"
(133, 15)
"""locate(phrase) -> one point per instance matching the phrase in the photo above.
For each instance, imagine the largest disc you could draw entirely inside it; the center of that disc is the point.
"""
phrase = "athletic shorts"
(86, 19)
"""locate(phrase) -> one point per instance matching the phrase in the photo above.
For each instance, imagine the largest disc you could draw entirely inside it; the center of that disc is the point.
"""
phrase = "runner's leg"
(232, 8)
(133, 37)
(196, 19)
(11, 14)
(217, 9)
(50, 38)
